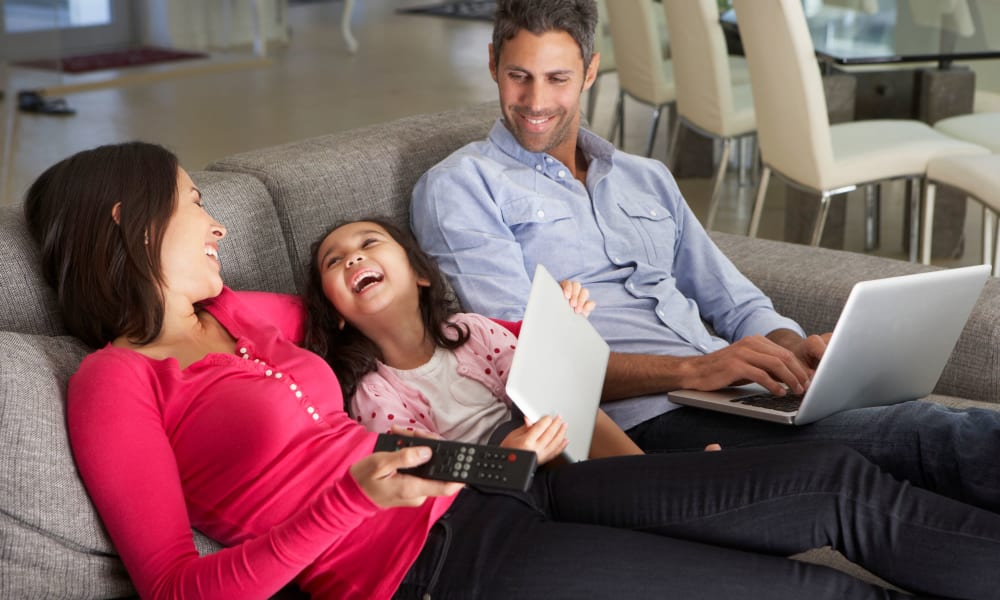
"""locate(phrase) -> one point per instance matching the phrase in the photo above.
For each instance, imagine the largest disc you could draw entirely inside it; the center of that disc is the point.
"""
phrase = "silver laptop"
(559, 364)
(891, 344)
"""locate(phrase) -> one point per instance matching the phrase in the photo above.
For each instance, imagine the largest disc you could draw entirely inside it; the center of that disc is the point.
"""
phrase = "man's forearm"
(772, 361)
(631, 375)
(786, 338)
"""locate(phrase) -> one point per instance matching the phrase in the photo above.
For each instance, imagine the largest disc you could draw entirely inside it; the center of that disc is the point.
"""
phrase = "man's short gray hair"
(578, 18)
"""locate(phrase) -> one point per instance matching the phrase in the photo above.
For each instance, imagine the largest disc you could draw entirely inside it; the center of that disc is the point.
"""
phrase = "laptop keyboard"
(789, 403)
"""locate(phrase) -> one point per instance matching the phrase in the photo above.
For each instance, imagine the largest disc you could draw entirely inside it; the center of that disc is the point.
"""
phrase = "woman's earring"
(146, 238)
(341, 324)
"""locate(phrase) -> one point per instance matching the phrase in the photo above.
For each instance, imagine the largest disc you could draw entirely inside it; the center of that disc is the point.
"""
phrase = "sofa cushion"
(253, 253)
(49, 533)
(52, 543)
(29, 305)
(318, 182)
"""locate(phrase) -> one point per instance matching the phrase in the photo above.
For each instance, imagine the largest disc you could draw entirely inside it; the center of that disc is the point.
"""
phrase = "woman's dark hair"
(578, 18)
(106, 274)
(347, 350)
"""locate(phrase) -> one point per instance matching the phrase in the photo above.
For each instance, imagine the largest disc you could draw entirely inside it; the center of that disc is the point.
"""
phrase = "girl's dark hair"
(578, 18)
(106, 275)
(347, 350)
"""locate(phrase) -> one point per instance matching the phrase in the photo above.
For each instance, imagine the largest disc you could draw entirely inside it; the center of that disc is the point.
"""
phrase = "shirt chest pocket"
(652, 226)
(544, 227)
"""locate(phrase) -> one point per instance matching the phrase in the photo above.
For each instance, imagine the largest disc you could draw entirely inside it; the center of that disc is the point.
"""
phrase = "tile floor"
(406, 64)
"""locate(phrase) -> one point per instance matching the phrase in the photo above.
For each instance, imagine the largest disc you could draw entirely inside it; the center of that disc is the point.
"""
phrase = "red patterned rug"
(132, 57)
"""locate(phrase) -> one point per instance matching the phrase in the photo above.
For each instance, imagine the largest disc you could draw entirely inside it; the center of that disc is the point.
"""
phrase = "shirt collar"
(593, 146)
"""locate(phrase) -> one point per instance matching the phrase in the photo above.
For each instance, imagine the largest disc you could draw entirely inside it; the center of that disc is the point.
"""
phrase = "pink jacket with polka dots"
(383, 400)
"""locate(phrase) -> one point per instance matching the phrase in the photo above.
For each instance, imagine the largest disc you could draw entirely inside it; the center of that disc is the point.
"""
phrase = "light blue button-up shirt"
(492, 211)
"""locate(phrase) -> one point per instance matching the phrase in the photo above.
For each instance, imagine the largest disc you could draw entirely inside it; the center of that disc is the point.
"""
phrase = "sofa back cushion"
(253, 253)
(52, 542)
(49, 531)
(366, 172)
(27, 303)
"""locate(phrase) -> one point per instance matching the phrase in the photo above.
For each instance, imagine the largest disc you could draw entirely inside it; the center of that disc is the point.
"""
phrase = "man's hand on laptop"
(755, 359)
(783, 361)
(809, 350)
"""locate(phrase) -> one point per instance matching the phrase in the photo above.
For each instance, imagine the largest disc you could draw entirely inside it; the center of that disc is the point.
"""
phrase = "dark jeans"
(955, 453)
(708, 525)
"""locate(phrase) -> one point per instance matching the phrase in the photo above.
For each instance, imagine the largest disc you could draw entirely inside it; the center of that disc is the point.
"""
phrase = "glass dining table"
(896, 59)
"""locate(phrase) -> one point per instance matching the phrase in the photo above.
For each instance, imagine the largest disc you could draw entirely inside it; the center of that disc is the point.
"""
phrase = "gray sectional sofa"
(275, 202)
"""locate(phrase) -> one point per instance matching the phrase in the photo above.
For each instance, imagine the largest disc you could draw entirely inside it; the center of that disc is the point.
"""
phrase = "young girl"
(379, 314)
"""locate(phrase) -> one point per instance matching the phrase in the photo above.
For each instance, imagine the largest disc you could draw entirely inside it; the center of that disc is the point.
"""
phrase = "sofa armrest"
(811, 286)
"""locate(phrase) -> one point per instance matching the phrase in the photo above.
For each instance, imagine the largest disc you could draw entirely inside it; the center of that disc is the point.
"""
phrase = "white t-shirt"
(464, 409)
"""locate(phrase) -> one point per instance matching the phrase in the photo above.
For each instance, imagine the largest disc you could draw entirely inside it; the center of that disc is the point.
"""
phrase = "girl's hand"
(577, 296)
(546, 438)
(423, 433)
(378, 476)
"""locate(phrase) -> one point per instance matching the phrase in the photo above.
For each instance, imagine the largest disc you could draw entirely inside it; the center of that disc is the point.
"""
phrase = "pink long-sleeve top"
(251, 448)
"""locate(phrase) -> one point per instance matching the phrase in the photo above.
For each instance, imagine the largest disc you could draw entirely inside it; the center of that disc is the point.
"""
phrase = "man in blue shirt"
(540, 189)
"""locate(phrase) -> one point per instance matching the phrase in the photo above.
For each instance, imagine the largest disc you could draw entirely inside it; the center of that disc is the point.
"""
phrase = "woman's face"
(189, 256)
(366, 272)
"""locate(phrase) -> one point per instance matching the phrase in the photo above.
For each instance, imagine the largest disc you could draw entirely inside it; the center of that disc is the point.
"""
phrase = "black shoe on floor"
(33, 102)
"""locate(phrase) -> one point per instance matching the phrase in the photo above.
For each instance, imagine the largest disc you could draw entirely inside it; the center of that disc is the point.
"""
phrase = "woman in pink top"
(199, 409)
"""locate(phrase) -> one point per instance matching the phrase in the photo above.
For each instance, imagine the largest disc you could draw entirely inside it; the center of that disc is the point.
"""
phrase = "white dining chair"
(981, 128)
(795, 137)
(602, 44)
(978, 177)
(708, 101)
(643, 73)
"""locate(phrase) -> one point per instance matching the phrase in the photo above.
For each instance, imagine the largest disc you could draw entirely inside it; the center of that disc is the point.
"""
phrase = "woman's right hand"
(379, 477)
(546, 438)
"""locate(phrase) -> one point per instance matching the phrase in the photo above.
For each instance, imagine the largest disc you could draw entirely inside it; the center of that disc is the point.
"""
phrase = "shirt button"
(541, 214)
(243, 350)
(538, 167)
(652, 213)
(310, 410)
(298, 394)
(277, 375)
(268, 372)
(315, 417)
(561, 174)
(548, 159)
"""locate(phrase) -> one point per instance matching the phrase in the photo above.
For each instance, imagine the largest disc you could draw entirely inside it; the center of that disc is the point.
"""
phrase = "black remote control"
(475, 464)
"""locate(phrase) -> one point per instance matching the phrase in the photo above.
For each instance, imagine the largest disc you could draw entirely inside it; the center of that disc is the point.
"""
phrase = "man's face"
(541, 79)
